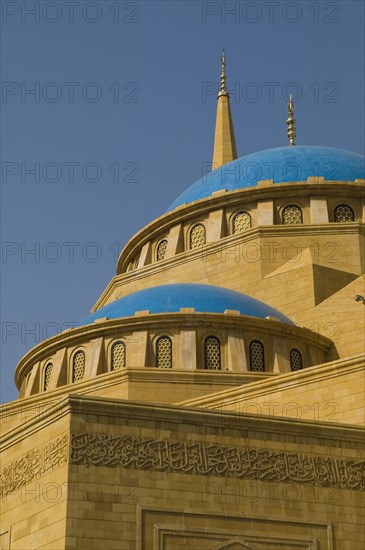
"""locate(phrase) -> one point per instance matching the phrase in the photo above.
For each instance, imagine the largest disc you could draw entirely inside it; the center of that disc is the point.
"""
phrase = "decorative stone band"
(33, 465)
(196, 458)
(103, 449)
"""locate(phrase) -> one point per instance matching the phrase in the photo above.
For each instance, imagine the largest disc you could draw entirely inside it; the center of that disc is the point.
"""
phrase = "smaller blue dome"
(170, 298)
(281, 164)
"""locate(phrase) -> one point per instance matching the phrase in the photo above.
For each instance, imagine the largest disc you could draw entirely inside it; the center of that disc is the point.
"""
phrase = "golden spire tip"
(223, 88)
(292, 134)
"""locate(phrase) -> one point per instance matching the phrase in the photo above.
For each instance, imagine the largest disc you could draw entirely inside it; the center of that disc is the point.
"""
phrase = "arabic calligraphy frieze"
(33, 465)
(103, 449)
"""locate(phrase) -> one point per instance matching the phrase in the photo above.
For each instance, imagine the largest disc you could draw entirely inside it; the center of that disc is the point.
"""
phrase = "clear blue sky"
(160, 58)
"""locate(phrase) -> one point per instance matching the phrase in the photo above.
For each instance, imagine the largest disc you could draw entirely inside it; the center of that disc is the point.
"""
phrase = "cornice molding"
(46, 400)
(281, 382)
(95, 408)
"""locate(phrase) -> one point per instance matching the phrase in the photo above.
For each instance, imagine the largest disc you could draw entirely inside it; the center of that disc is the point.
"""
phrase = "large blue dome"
(170, 298)
(282, 164)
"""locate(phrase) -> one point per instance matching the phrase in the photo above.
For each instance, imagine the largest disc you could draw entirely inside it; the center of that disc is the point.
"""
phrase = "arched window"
(164, 352)
(78, 366)
(212, 353)
(257, 356)
(161, 250)
(296, 362)
(118, 355)
(47, 376)
(197, 236)
(344, 213)
(241, 222)
(292, 214)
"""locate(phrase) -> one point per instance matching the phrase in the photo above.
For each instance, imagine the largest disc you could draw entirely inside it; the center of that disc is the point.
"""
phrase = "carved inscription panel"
(197, 458)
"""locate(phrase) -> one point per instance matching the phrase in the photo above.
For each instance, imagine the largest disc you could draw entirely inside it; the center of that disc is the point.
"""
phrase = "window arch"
(241, 222)
(344, 213)
(292, 214)
(47, 376)
(118, 354)
(161, 250)
(164, 352)
(296, 361)
(257, 356)
(78, 366)
(212, 353)
(197, 236)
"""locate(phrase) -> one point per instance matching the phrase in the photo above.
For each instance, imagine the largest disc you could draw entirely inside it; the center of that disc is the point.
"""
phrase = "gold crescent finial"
(292, 134)
(223, 88)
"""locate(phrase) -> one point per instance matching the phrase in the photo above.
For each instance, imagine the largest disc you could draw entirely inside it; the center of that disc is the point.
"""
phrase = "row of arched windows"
(212, 355)
(197, 234)
(163, 358)
(291, 214)
(118, 354)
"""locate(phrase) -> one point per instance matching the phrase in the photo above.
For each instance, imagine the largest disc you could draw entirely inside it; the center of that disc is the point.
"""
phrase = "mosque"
(214, 397)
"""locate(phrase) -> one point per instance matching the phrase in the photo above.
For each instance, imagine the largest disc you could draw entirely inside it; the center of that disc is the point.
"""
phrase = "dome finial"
(292, 134)
(223, 89)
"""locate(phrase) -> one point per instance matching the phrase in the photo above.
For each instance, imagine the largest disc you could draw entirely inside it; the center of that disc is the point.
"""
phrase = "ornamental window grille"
(78, 366)
(344, 213)
(257, 356)
(212, 353)
(197, 236)
(47, 376)
(161, 250)
(118, 355)
(164, 352)
(292, 214)
(241, 222)
(296, 362)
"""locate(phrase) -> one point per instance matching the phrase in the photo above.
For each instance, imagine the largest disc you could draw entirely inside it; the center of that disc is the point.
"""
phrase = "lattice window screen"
(78, 366)
(344, 213)
(118, 356)
(212, 349)
(197, 236)
(241, 222)
(161, 250)
(47, 376)
(296, 362)
(292, 215)
(257, 356)
(164, 353)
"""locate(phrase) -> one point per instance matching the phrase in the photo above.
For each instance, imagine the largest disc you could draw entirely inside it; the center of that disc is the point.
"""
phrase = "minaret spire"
(292, 134)
(224, 141)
